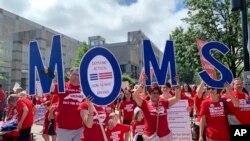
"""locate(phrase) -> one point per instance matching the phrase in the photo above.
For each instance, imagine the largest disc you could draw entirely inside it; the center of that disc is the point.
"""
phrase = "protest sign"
(100, 76)
(179, 121)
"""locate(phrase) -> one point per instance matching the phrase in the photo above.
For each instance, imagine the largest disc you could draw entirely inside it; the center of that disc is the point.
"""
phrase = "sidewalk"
(36, 130)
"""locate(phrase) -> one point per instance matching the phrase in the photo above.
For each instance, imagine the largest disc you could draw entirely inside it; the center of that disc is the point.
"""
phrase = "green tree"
(209, 20)
(79, 54)
(126, 77)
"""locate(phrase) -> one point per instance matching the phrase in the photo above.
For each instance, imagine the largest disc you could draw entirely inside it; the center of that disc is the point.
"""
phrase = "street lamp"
(242, 6)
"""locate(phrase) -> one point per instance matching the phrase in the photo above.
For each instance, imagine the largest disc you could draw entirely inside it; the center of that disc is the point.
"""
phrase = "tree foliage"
(79, 54)
(126, 77)
(209, 20)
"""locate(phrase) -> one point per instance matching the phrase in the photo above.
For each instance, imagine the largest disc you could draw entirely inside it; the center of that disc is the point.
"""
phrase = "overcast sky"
(111, 19)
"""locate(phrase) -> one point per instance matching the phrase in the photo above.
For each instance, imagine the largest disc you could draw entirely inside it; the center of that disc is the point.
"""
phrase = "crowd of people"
(138, 114)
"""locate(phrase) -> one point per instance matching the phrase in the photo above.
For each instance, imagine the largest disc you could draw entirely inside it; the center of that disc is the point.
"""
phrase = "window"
(123, 68)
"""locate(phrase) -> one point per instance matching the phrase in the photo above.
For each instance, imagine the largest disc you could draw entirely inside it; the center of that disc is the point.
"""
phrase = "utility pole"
(242, 6)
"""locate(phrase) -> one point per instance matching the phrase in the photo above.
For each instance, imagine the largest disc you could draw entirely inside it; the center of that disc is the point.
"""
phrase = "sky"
(111, 19)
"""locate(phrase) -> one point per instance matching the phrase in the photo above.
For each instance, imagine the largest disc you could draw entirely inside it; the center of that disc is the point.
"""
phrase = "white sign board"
(179, 121)
(39, 116)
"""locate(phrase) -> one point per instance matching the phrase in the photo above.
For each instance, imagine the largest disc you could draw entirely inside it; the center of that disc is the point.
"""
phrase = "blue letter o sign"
(100, 76)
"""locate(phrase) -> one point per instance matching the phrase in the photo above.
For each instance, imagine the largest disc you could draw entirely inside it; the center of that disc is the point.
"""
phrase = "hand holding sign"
(89, 100)
(228, 87)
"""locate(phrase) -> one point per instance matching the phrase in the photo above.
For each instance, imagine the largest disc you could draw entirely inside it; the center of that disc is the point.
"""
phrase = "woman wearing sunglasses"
(214, 113)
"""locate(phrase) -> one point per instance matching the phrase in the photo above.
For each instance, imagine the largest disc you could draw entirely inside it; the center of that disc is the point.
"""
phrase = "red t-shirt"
(188, 96)
(137, 127)
(11, 111)
(110, 108)
(117, 133)
(128, 109)
(67, 115)
(2, 98)
(94, 133)
(197, 102)
(21, 103)
(243, 111)
(217, 127)
(150, 116)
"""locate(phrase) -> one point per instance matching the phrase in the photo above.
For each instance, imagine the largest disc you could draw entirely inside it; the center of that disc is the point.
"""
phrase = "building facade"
(129, 54)
(15, 35)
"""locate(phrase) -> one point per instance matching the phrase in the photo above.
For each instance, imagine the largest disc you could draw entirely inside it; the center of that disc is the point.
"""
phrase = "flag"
(205, 64)
(101, 76)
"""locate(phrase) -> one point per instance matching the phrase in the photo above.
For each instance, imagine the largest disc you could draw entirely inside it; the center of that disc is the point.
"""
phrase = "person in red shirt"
(47, 121)
(116, 131)
(137, 125)
(166, 91)
(2, 103)
(25, 111)
(201, 94)
(154, 108)
(241, 108)
(186, 94)
(68, 120)
(126, 108)
(214, 113)
(93, 118)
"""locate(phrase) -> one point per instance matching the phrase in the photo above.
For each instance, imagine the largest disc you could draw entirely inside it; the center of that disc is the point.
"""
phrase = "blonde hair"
(12, 98)
(112, 115)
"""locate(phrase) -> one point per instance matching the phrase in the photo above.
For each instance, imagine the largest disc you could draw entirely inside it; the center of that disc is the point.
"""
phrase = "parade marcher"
(93, 118)
(240, 109)
(66, 111)
(156, 110)
(186, 94)
(126, 108)
(116, 131)
(2, 103)
(201, 94)
(25, 111)
(46, 126)
(214, 111)
(166, 91)
(137, 125)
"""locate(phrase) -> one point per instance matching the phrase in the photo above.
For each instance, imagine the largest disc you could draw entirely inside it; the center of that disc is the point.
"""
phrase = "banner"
(205, 64)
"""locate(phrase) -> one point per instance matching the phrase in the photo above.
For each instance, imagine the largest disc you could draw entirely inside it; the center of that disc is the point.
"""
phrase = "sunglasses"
(210, 88)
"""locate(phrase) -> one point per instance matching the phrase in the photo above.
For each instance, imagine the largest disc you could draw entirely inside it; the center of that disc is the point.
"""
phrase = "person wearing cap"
(137, 125)
(155, 108)
(214, 111)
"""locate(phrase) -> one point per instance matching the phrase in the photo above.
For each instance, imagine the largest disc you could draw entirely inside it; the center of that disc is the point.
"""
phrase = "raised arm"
(200, 89)
(136, 96)
(228, 89)
(87, 115)
(177, 96)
